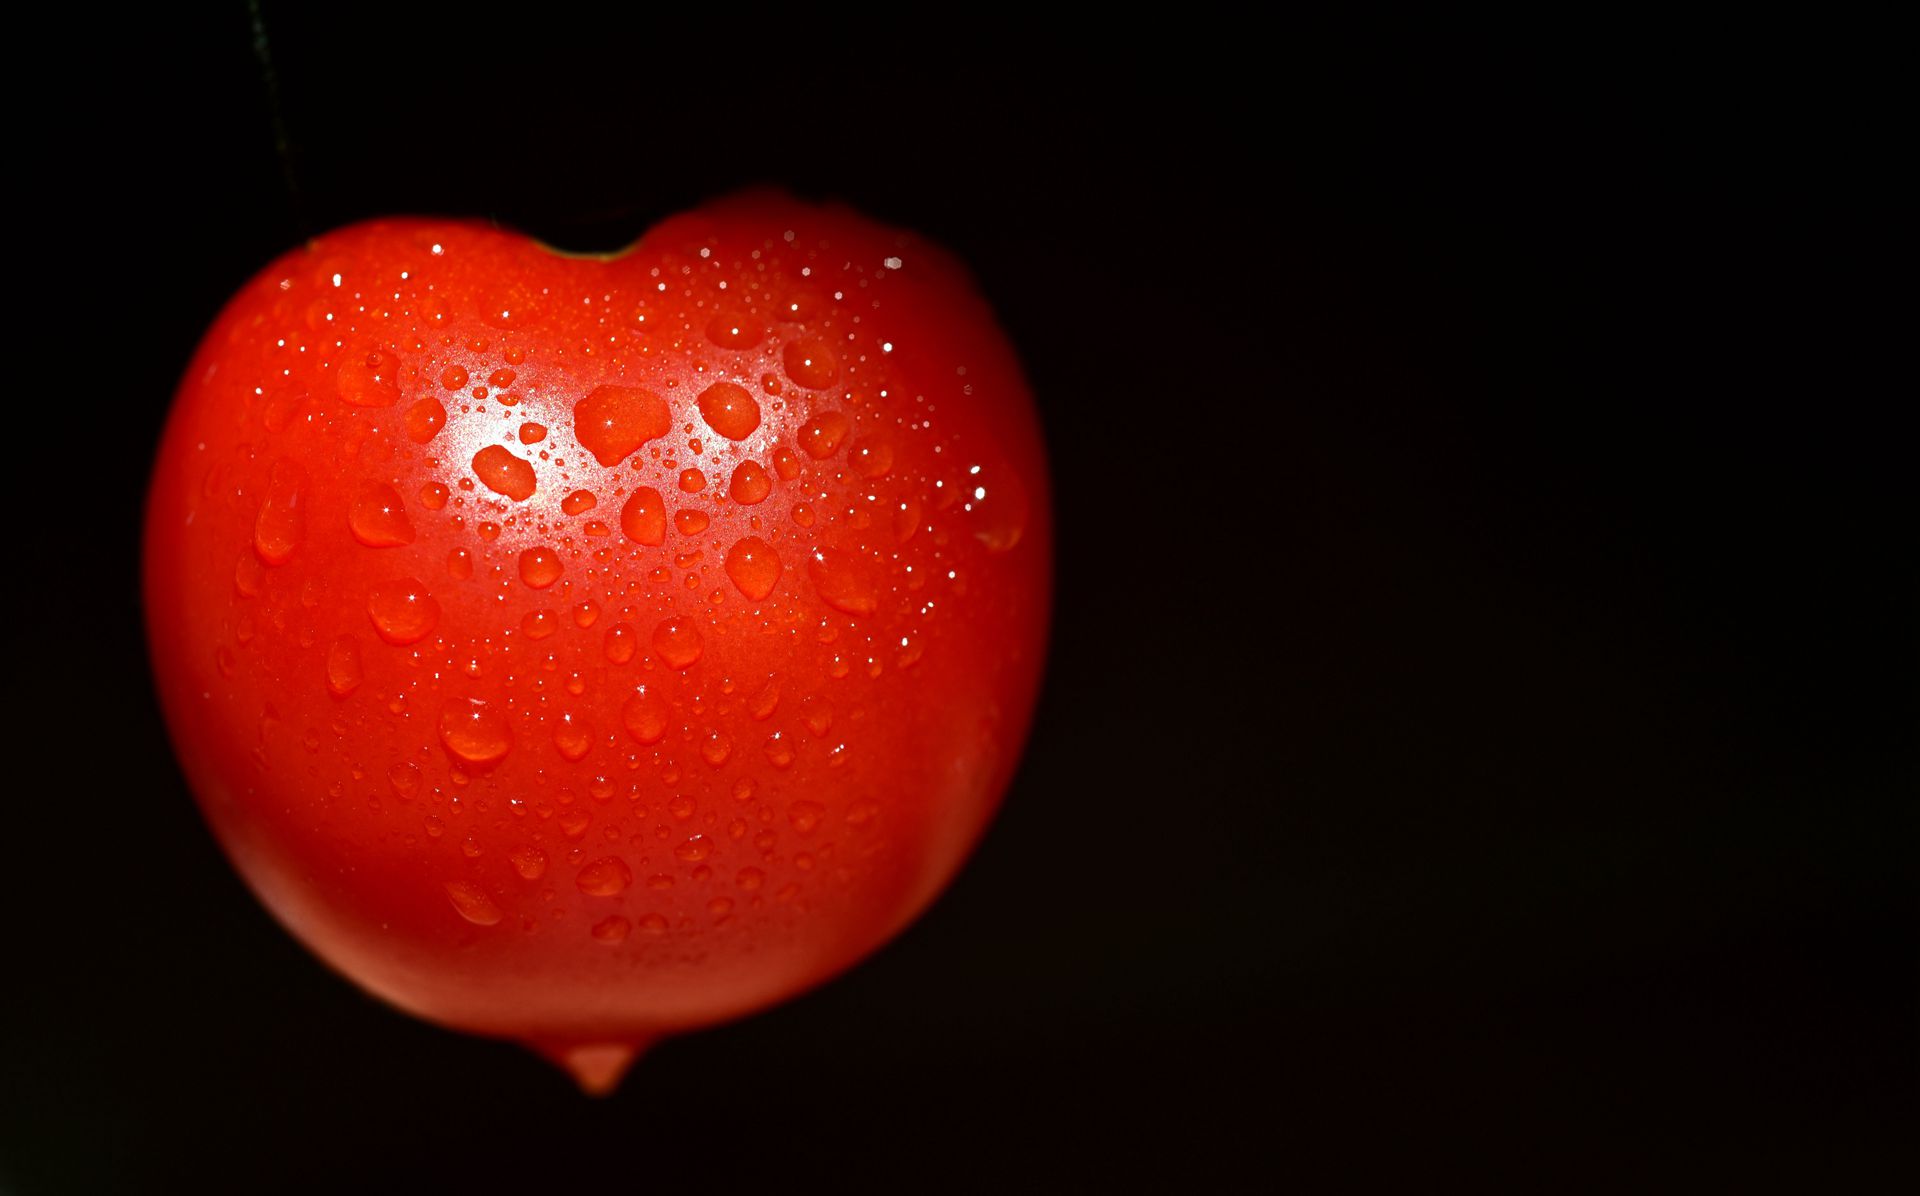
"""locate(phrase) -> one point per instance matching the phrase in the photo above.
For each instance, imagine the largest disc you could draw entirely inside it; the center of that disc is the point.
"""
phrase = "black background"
(1479, 738)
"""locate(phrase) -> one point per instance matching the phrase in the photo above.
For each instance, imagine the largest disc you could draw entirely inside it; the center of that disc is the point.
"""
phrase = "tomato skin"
(580, 650)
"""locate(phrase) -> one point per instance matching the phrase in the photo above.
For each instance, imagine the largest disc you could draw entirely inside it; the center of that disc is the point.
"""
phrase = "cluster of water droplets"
(713, 419)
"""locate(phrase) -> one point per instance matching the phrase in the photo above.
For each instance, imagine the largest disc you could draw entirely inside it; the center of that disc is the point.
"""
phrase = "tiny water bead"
(471, 902)
(811, 362)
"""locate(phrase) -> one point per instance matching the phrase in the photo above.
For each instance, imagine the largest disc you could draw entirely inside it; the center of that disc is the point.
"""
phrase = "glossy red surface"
(581, 650)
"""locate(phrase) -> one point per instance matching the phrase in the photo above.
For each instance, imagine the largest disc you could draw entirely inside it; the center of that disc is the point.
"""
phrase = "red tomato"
(585, 649)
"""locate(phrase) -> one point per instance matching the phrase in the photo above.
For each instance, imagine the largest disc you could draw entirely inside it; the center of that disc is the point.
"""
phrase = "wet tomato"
(581, 650)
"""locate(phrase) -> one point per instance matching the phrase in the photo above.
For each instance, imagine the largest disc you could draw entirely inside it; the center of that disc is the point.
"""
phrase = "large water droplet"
(644, 517)
(597, 1067)
(645, 716)
(821, 435)
(476, 732)
(677, 642)
(425, 419)
(750, 483)
(572, 737)
(607, 877)
(344, 670)
(403, 612)
(994, 501)
(540, 567)
(753, 566)
(620, 642)
(811, 362)
(282, 521)
(472, 903)
(613, 421)
(873, 457)
(730, 410)
(503, 473)
(378, 517)
(843, 581)
(529, 862)
(731, 330)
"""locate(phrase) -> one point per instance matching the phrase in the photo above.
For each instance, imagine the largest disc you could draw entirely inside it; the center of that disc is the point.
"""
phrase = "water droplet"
(644, 517)
(433, 496)
(749, 878)
(425, 419)
(730, 410)
(873, 457)
(821, 435)
(733, 331)
(786, 464)
(344, 671)
(540, 567)
(248, 576)
(717, 747)
(750, 483)
(370, 379)
(571, 735)
(690, 522)
(842, 581)
(475, 731)
(692, 481)
(378, 518)
(503, 473)
(779, 751)
(459, 564)
(613, 421)
(695, 849)
(403, 612)
(645, 716)
(805, 815)
(579, 502)
(811, 362)
(612, 929)
(995, 502)
(762, 705)
(906, 520)
(532, 433)
(753, 566)
(585, 613)
(404, 779)
(607, 877)
(620, 643)
(453, 377)
(539, 624)
(677, 642)
(818, 714)
(472, 903)
(529, 862)
(282, 521)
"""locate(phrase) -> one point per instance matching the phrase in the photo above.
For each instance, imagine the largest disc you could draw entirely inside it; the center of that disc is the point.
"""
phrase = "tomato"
(581, 650)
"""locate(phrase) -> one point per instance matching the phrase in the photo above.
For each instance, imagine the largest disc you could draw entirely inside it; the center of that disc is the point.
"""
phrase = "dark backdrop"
(1484, 549)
